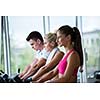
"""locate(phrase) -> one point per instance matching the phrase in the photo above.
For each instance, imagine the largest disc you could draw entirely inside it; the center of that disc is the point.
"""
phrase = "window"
(19, 28)
(92, 41)
(98, 41)
(57, 21)
(87, 41)
(1, 47)
(91, 27)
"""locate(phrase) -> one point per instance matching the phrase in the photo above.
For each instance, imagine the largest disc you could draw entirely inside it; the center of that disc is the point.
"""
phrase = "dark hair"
(35, 35)
(75, 38)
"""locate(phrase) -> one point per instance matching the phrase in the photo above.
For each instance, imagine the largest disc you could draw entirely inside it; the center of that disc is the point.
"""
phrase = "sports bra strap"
(69, 53)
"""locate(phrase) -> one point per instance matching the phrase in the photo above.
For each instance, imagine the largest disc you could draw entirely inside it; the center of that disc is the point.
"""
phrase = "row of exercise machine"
(4, 78)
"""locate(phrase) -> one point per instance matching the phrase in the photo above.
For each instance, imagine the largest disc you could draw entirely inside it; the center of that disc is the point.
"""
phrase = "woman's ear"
(68, 37)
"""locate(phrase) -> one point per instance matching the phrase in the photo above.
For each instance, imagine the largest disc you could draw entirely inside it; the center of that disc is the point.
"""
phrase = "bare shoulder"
(74, 57)
(60, 53)
(58, 56)
(75, 54)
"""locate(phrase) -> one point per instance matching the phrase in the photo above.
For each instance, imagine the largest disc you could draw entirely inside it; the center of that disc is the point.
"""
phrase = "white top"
(52, 53)
(42, 54)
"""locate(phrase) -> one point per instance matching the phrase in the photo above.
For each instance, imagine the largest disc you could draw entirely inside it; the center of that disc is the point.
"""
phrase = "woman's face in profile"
(47, 44)
(60, 39)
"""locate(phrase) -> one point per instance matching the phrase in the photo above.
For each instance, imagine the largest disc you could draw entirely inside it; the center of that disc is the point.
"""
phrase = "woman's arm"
(73, 62)
(54, 61)
(48, 75)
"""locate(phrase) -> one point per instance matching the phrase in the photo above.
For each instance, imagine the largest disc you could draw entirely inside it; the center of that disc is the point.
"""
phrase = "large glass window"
(1, 47)
(19, 28)
(91, 32)
(57, 21)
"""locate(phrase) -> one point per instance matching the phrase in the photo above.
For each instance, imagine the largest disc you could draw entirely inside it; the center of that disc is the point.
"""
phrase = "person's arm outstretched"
(27, 68)
(48, 76)
(34, 68)
(54, 61)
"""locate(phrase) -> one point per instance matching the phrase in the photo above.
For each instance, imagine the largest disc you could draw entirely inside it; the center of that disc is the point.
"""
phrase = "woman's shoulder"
(75, 53)
(74, 56)
(60, 53)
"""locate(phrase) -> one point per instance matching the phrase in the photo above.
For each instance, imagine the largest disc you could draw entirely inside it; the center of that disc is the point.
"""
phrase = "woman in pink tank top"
(66, 70)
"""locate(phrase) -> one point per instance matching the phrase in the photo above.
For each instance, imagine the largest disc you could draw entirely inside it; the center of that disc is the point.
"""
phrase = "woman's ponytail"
(77, 43)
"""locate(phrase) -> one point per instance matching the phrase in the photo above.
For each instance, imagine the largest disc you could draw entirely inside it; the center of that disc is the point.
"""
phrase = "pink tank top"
(63, 63)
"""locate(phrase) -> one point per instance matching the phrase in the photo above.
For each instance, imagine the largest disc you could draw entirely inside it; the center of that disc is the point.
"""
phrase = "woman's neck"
(69, 47)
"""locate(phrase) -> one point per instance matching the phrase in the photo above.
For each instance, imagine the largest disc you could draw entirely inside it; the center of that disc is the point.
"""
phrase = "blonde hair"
(51, 37)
